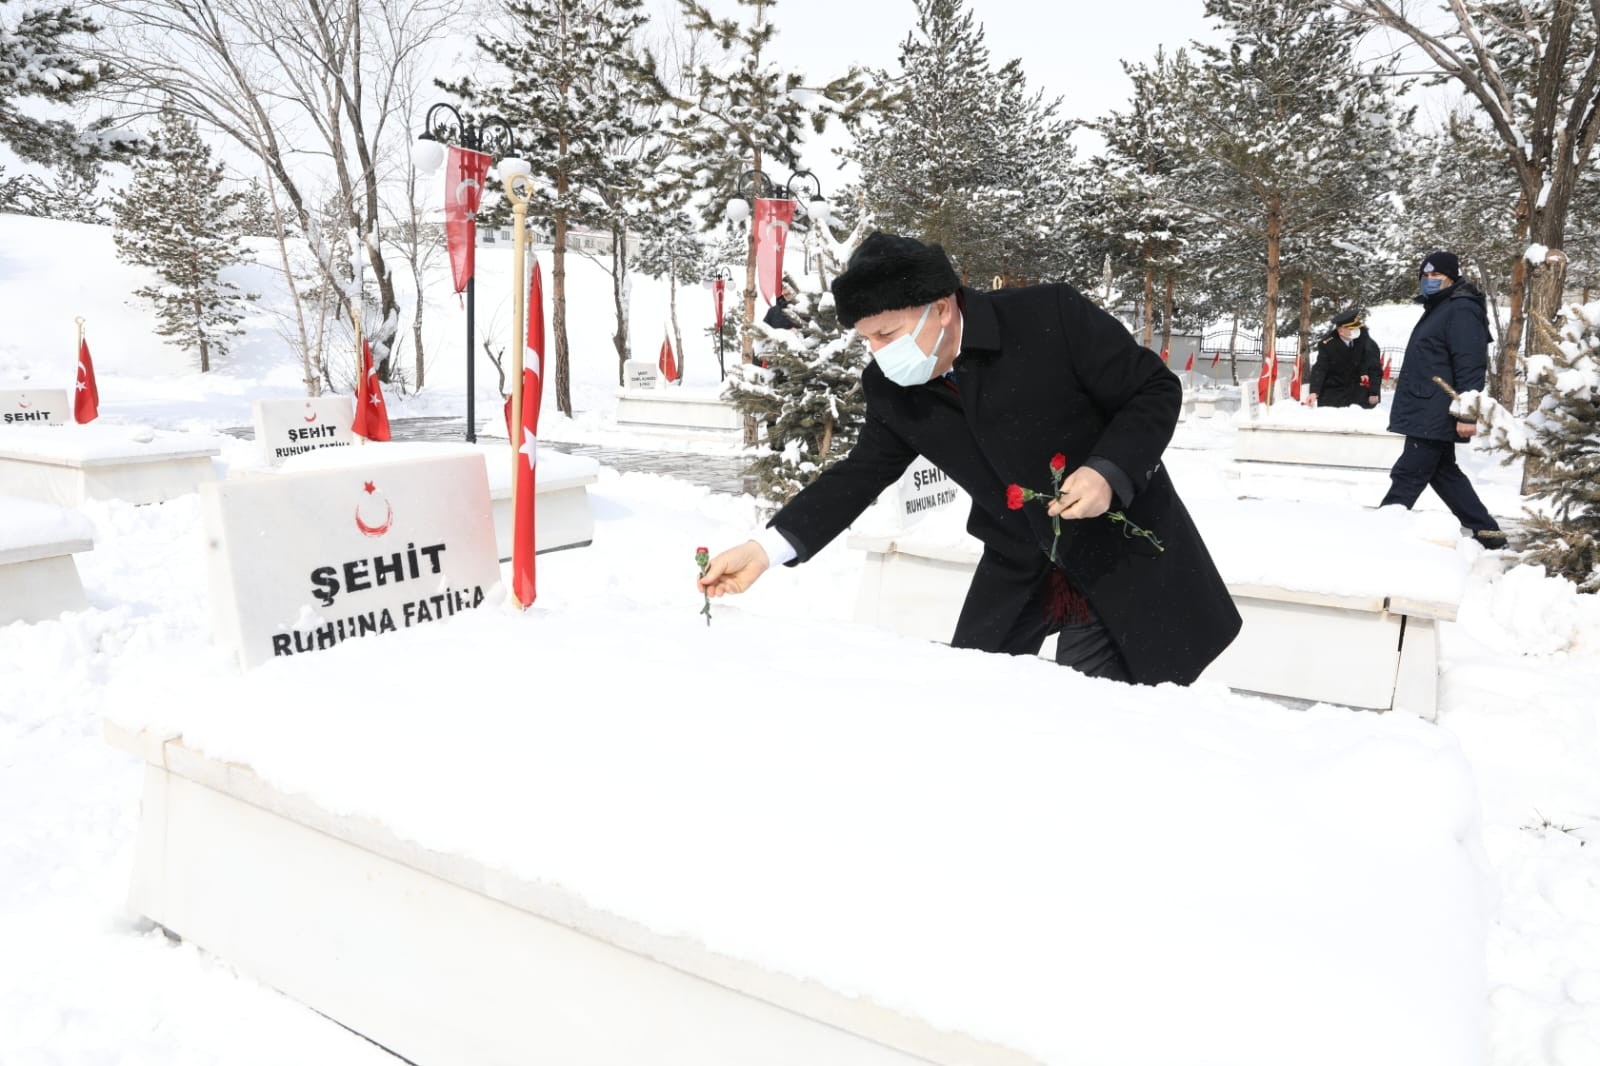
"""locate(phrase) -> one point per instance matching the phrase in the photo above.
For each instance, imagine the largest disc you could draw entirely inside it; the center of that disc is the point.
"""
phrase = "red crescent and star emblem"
(311, 415)
(22, 402)
(388, 515)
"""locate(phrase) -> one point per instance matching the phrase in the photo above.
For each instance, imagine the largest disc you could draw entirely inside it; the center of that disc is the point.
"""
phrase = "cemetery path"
(719, 473)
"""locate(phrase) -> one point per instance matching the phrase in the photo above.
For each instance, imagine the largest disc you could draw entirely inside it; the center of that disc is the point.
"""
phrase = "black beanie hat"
(1444, 263)
(888, 273)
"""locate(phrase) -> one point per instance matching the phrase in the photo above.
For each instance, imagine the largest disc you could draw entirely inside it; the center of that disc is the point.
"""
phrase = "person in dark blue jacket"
(1450, 342)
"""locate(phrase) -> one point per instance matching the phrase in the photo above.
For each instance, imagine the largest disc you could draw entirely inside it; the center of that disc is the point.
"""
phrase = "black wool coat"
(1043, 370)
(1450, 341)
(1336, 377)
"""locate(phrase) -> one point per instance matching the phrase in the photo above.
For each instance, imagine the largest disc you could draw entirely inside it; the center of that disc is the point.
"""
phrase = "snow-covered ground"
(81, 982)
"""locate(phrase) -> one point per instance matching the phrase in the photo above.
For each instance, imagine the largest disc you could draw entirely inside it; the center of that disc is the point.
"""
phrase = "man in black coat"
(990, 387)
(1450, 342)
(1349, 370)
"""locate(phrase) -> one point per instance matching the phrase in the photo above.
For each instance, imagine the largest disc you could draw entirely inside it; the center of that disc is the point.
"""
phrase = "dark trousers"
(1432, 463)
(1086, 647)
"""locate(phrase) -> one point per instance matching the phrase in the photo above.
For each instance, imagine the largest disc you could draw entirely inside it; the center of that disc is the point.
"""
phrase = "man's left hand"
(1085, 494)
(1466, 429)
(1372, 401)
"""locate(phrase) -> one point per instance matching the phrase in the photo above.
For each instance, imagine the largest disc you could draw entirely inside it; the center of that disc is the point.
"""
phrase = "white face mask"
(903, 361)
(1353, 336)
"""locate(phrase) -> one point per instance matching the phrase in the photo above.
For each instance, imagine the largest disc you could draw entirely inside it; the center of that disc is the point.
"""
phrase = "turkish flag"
(1388, 368)
(668, 364)
(464, 175)
(372, 417)
(86, 400)
(1215, 359)
(772, 219)
(524, 543)
(1189, 364)
(1294, 382)
(717, 288)
(1269, 375)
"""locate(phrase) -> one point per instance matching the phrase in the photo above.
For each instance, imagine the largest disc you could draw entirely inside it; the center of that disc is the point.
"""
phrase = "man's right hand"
(1311, 399)
(735, 570)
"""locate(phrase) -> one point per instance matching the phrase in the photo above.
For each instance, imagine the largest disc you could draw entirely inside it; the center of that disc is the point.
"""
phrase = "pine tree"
(808, 395)
(73, 193)
(255, 211)
(747, 114)
(178, 219)
(671, 248)
(1282, 134)
(1560, 444)
(568, 93)
(42, 58)
(965, 155)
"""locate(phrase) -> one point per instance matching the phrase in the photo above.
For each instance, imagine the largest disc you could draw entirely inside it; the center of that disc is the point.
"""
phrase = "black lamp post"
(491, 135)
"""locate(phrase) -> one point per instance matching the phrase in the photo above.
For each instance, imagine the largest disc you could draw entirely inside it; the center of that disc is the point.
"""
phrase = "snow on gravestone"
(292, 427)
(45, 407)
(301, 562)
(637, 374)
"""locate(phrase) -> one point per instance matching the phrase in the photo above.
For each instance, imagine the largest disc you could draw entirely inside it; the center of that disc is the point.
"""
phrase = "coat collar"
(980, 328)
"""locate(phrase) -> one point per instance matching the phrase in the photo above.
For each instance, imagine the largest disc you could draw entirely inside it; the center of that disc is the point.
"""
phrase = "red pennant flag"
(1269, 376)
(1388, 368)
(717, 288)
(1164, 354)
(524, 543)
(771, 221)
(1294, 382)
(1216, 358)
(668, 364)
(86, 401)
(1189, 364)
(372, 417)
(464, 175)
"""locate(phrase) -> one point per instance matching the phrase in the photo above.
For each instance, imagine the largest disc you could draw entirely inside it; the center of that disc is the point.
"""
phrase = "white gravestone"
(924, 489)
(43, 407)
(301, 562)
(637, 374)
(293, 427)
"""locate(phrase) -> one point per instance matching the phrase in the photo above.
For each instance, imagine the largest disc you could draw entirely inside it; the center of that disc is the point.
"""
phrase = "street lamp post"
(752, 185)
(492, 136)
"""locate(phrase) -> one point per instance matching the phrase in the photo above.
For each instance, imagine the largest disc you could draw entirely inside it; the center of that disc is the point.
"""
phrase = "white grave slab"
(67, 465)
(299, 563)
(286, 428)
(1293, 434)
(38, 576)
(638, 374)
(1339, 604)
(678, 410)
(561, 512)
(34, 407)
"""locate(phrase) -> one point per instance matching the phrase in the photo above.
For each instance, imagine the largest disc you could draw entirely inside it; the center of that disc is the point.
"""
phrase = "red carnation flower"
(1366, 381)
(701, 551)
(1014, 497)
(1058, 463)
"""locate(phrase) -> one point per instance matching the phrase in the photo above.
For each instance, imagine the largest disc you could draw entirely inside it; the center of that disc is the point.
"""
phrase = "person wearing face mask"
(1349, 367)
(1450, 342)
(990, 387)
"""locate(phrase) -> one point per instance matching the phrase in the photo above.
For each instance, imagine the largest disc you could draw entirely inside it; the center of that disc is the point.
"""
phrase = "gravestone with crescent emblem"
(300, 563)
(294, 427)
(34, 407)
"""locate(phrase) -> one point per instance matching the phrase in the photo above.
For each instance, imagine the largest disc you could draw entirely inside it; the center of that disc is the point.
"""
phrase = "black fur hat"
(1444, 263)
(888, 273)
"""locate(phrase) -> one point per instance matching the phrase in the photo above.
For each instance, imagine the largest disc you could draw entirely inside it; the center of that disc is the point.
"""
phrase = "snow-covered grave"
(34, 407)
(302, 562)
(67, 465)
(1010, 864)
(562, 515)
(1294, 434)
(293, 427)
(1340, 604)
(38, 577)
(1205, 403)
(680, 412)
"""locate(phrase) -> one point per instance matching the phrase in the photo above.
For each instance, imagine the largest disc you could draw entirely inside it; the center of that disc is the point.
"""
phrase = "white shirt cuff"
(776, 545)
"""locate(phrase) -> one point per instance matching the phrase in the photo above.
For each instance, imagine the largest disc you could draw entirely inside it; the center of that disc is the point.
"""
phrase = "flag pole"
(520, 189)
(79, 321)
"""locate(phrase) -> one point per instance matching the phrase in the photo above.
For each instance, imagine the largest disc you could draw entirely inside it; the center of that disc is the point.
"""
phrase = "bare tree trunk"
(619, 283)
(1166, 318)
(1302, 358)
(558, 301)
(205, 350)
(1233, 351)
(1544, 291)
(672, 309)
(1149, 305)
